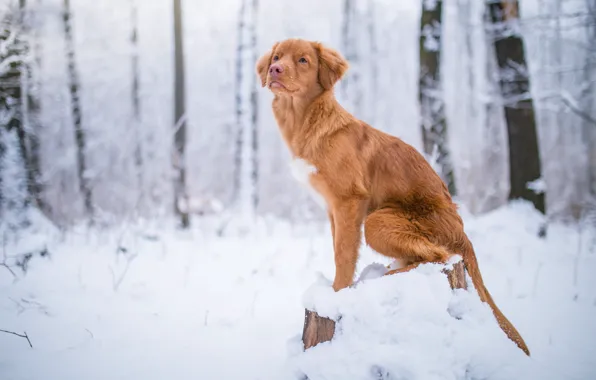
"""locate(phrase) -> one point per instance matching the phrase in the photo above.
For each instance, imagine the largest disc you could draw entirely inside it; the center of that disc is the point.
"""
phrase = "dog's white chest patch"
(302, 170)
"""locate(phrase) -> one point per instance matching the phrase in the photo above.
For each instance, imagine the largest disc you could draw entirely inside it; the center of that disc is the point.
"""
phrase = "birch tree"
(524, 156)
(430, 94)
(246, 164)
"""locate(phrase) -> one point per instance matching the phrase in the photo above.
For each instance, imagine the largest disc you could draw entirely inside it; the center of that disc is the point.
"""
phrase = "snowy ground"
(192, 305)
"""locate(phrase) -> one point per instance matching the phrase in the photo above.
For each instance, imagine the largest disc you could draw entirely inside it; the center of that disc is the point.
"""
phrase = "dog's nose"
(276, 69)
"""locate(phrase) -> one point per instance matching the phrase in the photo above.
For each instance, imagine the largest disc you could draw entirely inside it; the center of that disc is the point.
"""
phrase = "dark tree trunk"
(254, 105)
(14, 89)
(514, 81)
(32, 110)
(432, 106)
(239, 141)
(77, 117)
(180, 196)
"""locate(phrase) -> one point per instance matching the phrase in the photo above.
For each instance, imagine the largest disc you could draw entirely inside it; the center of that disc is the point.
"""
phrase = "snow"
(196, 305)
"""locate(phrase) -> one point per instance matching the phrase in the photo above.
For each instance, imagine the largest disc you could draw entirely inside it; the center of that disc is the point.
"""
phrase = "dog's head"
(298, 67)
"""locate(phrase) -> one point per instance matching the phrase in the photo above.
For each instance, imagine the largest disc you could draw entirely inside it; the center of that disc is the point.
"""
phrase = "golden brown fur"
(365, 175)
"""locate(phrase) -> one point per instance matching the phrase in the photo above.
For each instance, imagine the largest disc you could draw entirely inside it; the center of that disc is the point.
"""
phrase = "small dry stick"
(22, 336)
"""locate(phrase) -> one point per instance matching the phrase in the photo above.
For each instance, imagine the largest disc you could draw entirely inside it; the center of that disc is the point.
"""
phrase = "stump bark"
(319, 329)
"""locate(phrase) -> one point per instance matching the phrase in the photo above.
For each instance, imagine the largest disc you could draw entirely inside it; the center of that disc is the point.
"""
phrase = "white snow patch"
(409, 326)
(538, 185)
(194, 305)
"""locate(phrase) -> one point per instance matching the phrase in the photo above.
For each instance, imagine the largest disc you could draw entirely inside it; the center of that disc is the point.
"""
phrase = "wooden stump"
(457, 276)
(319, 329)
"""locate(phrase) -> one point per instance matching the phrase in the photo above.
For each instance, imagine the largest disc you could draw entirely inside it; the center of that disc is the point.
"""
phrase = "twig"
(116, 282)
(9, 269)
(22, 336)
(4, 257)
(577, 111)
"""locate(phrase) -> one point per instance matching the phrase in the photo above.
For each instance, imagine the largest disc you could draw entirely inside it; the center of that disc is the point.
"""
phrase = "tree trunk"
(180, 196)
(2, 153)
(430, 94)
(239, 142)
(12, 96)
(32, 108)
(524, 155)
(77, 118)
(589, 99)
(254, 105)
(351, 85)
(319, 329)
(373, 61)
(136, 101)
(246, 154)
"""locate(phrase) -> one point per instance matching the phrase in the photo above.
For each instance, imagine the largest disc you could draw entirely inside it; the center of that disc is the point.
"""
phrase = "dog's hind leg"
(389, 232)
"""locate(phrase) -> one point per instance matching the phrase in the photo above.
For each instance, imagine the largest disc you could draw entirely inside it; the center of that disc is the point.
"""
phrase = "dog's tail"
(474, 271)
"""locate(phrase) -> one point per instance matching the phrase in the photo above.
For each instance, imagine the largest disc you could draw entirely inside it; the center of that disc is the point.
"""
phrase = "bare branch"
(566, 99)
(117, 281)
(4, 264)
(8, 268)
(22, 336)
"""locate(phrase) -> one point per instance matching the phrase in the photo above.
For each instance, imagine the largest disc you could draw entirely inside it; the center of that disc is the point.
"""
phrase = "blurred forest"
(114, 110)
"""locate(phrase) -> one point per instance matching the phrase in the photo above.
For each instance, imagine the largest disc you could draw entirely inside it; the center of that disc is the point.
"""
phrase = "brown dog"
(363, 175)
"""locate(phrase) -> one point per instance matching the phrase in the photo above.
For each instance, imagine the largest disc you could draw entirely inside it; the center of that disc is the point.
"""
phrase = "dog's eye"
(275, 58)
(302, 60)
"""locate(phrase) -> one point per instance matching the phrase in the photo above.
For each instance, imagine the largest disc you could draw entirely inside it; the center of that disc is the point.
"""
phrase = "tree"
(32, 105)
(373, 60)
(77, 117)
(179, 162)
(246, 163)
(239, 142)
(524, 155)
(589, 97)
(13, 57)
(254, 105)
(430, 95)
(136, 101)
(351, 85)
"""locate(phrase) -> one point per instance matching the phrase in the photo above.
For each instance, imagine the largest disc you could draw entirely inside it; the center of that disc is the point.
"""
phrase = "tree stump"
(319, 329)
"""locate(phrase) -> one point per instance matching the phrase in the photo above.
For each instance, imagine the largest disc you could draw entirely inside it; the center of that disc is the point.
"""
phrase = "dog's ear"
(263, 64)
(332, 66)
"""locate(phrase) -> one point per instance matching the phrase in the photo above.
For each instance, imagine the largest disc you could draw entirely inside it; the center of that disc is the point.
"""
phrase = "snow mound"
(407, 326)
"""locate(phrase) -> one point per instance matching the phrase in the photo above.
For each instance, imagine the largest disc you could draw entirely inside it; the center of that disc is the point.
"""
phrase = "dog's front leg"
(347, 217)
